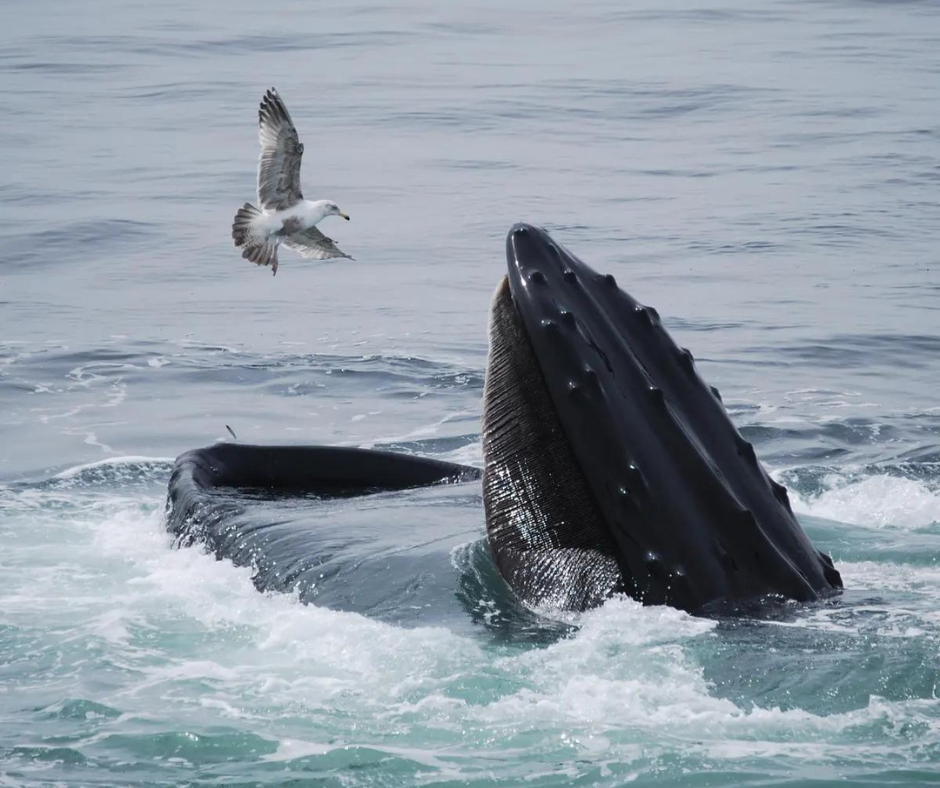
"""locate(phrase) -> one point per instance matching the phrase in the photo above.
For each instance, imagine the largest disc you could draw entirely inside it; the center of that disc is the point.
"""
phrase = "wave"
(903, 495)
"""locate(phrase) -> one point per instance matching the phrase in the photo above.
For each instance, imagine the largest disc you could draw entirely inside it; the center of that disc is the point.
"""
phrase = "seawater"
(766, 174)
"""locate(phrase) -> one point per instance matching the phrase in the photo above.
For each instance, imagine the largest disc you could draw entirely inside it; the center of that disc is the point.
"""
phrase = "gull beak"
(345, 216)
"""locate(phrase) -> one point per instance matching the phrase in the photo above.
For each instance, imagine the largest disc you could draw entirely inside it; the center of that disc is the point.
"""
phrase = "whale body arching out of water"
(610, 466)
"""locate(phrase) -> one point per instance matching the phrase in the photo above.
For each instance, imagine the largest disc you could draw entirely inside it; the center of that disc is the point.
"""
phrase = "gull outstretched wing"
(313, 243)
(281, 154)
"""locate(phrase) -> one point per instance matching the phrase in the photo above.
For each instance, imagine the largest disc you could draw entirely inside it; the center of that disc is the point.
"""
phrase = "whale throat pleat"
(546, 533)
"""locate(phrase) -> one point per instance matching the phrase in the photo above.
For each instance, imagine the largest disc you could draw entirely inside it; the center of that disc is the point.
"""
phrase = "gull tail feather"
(263, 253)
(243, 227)
(255, 246)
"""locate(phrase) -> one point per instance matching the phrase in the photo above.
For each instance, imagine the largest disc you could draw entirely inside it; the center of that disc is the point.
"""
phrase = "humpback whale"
(610, 466)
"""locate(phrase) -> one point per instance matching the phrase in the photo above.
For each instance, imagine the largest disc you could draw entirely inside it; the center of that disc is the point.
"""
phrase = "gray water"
(766, 174)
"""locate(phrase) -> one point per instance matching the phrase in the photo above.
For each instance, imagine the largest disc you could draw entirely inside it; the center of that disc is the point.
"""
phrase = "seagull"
(285, 216)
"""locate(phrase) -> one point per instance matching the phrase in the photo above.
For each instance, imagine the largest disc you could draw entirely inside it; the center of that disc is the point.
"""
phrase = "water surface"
(765, 174)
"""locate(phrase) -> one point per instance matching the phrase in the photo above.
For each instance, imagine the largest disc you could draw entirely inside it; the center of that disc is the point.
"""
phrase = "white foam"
(290, 749)
(875, 501)
(470, 454)
(130, 459)
(876, 576)
(424, 431)
(626, 666)
(293, 647)
(91, 439)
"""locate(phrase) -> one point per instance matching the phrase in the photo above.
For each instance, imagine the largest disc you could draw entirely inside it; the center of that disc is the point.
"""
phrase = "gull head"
(332, 209)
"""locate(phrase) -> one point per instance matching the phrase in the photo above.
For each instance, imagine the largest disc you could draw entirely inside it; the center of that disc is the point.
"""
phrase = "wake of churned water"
(166, 665)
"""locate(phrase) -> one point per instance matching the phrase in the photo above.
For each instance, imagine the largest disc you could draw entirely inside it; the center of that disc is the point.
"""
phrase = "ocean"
(766, 174)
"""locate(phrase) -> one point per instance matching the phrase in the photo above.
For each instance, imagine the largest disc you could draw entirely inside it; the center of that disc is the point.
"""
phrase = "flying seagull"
(285, 216)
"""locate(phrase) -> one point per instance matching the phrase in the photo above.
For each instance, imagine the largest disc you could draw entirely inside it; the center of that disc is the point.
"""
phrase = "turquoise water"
(765, 174)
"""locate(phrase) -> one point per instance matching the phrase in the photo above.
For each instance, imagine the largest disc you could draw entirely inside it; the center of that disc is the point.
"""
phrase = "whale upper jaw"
(610, 464)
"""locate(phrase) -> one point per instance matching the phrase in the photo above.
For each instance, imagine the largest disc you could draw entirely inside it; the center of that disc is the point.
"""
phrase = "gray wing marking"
(313, 243)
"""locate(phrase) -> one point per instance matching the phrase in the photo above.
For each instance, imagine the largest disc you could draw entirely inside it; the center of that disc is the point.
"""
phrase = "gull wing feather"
(281, 154)
(312, 243)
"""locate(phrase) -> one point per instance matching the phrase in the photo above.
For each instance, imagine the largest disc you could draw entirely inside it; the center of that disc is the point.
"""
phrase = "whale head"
(610, 465)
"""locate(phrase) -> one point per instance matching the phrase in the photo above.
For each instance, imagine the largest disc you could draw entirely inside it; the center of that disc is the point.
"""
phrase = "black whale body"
(610, 466)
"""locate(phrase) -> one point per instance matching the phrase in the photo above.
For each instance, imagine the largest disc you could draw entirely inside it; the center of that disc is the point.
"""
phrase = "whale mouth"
(610, 465)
